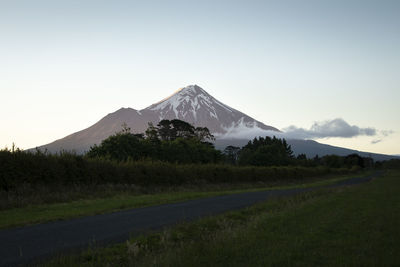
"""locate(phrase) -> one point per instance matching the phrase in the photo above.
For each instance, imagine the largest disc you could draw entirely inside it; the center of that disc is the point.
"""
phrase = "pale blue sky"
(66, 64)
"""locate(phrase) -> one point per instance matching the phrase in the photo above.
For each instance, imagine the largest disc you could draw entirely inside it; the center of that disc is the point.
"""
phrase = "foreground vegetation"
(350, 226)
(38, 178)
(21, 168)
(112, 200)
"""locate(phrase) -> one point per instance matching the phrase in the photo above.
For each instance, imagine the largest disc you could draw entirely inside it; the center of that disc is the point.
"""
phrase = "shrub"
(68, 169)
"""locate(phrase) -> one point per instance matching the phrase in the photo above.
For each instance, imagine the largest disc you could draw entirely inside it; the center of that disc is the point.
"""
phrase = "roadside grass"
(120, 200)
(347, 226)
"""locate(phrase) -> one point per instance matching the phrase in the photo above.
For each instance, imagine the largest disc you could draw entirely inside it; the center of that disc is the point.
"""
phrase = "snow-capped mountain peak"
(186, 100)
(182, 101)
(191, 90)
(194, 105)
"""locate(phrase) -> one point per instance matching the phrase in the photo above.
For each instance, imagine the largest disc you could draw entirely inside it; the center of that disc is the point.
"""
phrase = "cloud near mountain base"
(330, 128)
(325, 129)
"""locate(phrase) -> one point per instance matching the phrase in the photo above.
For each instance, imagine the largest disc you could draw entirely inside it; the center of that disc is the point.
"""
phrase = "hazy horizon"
(323, 70)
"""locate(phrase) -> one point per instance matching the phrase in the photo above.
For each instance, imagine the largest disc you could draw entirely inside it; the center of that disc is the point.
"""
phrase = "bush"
(20, 168)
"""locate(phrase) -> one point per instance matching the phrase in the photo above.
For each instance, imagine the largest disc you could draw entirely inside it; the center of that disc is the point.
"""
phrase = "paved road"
(25, 244)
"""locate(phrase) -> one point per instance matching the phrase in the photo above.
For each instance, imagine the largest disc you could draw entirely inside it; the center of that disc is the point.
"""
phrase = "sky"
(326, 70)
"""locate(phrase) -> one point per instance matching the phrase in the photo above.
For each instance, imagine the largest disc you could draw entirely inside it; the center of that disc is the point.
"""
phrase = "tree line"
(177, 141)
(171, 140)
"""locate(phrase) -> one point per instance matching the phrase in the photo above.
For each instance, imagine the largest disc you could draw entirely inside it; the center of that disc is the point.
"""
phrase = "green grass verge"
(347, 226)
(58, 211)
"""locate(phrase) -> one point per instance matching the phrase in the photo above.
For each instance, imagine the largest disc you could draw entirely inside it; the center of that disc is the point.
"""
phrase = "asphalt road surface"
(26, 244)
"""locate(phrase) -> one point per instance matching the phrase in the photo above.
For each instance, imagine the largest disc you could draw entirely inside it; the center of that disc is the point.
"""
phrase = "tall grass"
(34, 169)
(350, 226)
(38, 178)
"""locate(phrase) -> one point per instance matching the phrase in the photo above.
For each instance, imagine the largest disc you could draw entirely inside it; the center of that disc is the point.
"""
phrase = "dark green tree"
(189, 150)
(121, 146)
(174, 141)
(333, 161)
(354, 160)
(231, 154)
(203, 134)
(301, 157)
(164, 128)
(182, 129)
(266, 152)
(151, 133)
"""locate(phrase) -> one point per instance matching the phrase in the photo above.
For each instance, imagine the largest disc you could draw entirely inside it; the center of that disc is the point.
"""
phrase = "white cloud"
(325, 129)
(330, 128)
(243, 131)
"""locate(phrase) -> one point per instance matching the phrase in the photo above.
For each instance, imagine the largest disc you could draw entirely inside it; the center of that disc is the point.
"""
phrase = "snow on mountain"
(191, 104)
(188, 99)
(196, 106)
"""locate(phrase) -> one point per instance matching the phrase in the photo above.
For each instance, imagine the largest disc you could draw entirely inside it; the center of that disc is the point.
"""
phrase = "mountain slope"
(191, 104)
(81, 141)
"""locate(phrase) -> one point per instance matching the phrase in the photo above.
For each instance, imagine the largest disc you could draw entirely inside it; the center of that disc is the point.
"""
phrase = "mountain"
(191, 103)
(194, 105)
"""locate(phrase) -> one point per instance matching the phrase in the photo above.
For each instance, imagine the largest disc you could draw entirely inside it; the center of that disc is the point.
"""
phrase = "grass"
(347, 226)
(32, 214)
